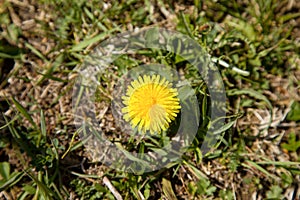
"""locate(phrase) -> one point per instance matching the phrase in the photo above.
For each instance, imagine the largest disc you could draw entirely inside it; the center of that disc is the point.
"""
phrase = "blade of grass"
(279, 163)
(4, 55)
(130, 156)
(256, 95)
(195, 171)
(43, 131)
(252, 93)
(86, 175)
(71, 143)
(250, 164)
(87, 42)
(8, 123)
(13, 179)
(24, 112)
(36, 52)
(46, 192)
(43, 125)
(224, 128)
(52, 67)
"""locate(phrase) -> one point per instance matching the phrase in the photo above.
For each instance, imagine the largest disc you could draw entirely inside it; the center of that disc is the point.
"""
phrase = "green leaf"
(130, 156)
(224, 128)
(293, 144)
(274, 193)
(289, 16)
(196, 172)
(43, 125)
(29, 189)
(5, 55)
(246, 28)
(294, 113)
(88, 13)
(13, 32)
(255, 61)
(147, 191)
(167, 189)
(4, 170)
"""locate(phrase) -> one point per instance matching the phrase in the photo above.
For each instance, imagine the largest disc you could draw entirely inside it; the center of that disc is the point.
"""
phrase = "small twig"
(113, 190)
(15, 18)
(163, 9)
(225, 64)
(81, 164)
(141, 195)
(6, 195)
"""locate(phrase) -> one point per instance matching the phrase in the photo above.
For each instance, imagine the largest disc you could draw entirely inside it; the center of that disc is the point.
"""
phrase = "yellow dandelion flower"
(150, 104)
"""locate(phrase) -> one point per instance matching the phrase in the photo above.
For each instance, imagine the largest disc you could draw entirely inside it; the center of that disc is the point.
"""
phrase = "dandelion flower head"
(150, 104)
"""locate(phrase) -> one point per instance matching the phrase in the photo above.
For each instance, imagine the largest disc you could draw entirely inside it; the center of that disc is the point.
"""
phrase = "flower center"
(153, 101)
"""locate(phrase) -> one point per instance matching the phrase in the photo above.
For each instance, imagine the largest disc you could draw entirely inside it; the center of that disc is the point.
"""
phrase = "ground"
(255, 45)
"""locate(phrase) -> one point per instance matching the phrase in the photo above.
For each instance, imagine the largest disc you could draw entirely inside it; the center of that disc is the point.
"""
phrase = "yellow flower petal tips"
(150, 104)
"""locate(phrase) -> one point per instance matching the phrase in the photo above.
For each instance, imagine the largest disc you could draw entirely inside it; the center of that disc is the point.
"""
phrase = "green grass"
(255, 45)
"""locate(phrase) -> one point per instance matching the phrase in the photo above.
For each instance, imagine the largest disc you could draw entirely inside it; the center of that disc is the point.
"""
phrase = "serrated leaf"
(274, 193)
(245, 27)
(293, 144)
(252, 93)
